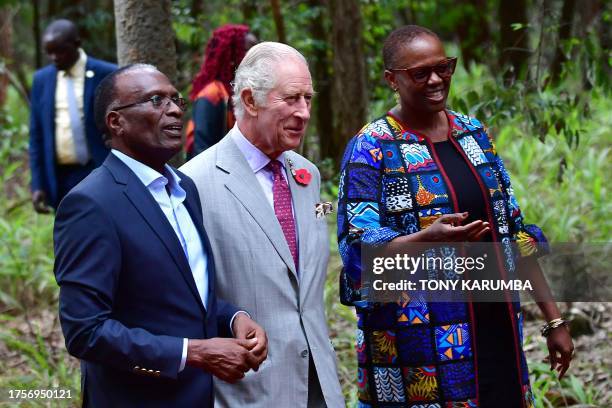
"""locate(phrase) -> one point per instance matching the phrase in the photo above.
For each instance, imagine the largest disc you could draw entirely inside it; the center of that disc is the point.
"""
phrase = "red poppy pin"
(301, 176)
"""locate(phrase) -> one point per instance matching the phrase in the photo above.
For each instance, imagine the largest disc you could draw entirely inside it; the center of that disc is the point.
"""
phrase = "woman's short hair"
(399, 38)
(258, 72)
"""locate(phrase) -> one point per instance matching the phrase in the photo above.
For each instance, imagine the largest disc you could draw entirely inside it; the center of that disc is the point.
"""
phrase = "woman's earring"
(396, 94)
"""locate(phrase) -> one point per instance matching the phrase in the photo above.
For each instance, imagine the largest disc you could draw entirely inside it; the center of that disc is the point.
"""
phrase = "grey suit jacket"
(255, 271)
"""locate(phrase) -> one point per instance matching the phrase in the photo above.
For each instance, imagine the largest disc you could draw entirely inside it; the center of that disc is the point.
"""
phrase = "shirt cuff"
(186, 341)
(184, 356)
(232, 320)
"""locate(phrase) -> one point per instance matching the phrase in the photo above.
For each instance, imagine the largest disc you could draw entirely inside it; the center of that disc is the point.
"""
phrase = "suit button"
(304, 353)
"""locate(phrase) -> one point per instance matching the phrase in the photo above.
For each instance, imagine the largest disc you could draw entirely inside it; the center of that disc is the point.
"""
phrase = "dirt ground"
(591, 364)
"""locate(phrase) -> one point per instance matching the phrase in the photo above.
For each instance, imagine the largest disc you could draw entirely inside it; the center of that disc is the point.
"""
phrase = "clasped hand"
(230, 359)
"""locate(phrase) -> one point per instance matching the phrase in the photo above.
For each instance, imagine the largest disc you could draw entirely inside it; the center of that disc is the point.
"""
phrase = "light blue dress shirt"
(171, 203)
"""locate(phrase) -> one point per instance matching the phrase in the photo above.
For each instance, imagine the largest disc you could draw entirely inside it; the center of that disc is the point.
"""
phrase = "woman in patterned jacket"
(422, 173)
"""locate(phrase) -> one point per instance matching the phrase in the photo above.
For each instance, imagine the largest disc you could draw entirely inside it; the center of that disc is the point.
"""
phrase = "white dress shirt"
(64, 142)
(180, 220)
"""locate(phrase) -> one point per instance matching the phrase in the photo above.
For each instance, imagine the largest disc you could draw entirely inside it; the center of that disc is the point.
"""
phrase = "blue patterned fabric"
(414, 353)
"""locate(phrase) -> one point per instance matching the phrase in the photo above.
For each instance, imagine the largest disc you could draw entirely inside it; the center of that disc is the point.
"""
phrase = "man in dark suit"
(64, 142)
(137, 279)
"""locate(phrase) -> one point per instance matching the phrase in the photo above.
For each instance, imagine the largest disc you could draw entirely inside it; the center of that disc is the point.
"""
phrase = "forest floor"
(591, 364)
(33, 354)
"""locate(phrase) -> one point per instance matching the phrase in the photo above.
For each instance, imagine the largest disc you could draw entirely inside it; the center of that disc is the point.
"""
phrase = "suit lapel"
(243, 184)
(88, 86)
(49, 111)
(148, 208)
(195, 213)
(299, 195)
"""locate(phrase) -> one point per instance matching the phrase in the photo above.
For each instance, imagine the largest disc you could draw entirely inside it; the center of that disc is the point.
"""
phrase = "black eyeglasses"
(420, 75)
(157, 101)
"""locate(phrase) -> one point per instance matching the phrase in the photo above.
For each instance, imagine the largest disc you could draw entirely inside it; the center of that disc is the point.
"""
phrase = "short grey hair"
(257, 72)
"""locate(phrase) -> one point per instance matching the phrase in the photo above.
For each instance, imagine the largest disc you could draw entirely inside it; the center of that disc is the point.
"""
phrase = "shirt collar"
(78, 68)
(152, 179)
(256, 158)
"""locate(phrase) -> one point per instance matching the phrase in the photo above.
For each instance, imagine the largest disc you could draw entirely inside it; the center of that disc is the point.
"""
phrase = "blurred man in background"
(65, 145)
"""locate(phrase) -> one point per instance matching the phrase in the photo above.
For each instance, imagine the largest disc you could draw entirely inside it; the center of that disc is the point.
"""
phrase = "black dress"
(498, 381)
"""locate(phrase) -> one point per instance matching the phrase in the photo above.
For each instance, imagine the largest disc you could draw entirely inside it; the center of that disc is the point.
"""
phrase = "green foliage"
(41, 366)
(538, 113)
(555, 140)
(556, 144)
(26, 261)
(342, 320)
(27, 285)
(562, 186)
(550, 392)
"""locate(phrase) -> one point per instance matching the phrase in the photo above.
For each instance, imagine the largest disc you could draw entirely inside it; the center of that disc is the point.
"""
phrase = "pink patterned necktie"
(282, 207)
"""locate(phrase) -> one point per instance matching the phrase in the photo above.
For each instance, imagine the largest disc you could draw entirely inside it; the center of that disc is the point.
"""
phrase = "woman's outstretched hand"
(448, 228)
(560, 349)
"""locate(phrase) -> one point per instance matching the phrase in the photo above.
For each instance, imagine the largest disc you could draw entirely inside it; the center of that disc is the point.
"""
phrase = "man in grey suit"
(259, 201)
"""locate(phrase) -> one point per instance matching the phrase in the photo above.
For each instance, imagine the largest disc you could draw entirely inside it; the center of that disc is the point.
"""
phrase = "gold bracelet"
(553, 324)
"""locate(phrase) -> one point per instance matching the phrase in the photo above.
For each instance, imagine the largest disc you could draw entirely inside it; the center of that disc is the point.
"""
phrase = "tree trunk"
(605, 41)
(513, 43)
(249, 10)
(37, 34)
(473, 31)
(321, 64)
(349, 87)
(145, 34)
(563, 34)
(278, 21)
(6, 50)
(596, 68)
(197, 6)
(405, 16)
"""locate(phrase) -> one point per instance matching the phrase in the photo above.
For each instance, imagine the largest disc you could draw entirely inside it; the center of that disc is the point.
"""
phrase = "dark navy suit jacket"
(42, 125)
(127, 294)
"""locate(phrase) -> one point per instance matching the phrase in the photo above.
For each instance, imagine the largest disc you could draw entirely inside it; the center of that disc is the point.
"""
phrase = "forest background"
(537, 72)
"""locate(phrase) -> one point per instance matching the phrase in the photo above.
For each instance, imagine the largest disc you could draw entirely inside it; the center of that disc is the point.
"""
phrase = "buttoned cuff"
(184, 356)
(232, 320)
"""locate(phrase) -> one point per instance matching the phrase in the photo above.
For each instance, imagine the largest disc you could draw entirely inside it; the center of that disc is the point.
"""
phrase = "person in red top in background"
(212, 114)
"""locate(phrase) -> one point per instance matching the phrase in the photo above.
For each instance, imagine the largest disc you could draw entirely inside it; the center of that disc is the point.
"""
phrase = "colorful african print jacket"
(413, 353)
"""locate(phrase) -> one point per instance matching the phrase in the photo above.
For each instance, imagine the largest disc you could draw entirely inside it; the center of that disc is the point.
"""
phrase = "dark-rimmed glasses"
(157, 101)
(420, 75)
